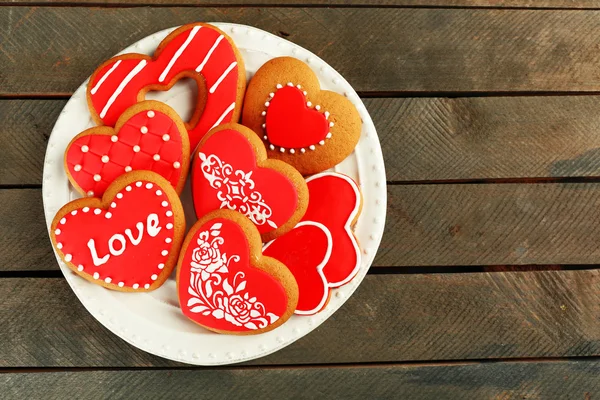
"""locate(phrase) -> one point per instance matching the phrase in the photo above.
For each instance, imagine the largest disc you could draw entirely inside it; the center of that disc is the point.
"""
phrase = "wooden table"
(485, 285)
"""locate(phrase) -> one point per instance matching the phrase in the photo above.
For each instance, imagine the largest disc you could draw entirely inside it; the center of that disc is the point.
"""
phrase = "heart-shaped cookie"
(225, 284)
(129, 239)
(198, 51)
(230, 170)
(321, 251)
(305, 251)
(148, 136)
(309, 128)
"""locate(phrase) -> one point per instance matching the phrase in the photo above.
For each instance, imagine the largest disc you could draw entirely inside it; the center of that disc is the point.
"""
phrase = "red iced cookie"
(225, 284)
(198, 51)
(148, 136)
(321, 251)
(230, 170)
(129, 239)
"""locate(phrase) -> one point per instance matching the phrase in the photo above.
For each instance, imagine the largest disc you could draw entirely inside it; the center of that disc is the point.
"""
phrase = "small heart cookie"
(225, 284)
(198, 51)
(309, 128)
(129, 240)
(148, 136)
(230, 170)
(321, 251)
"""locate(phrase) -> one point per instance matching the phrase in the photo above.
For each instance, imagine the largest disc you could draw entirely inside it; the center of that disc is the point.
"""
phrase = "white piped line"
(117, 92)
(101, 81)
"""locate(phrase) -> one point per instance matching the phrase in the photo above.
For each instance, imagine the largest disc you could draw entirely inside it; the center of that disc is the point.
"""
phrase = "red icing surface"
(332, 201)
(291, 123)
(303, 250)
(138, 263)
(266, 197)
(192, 57)
(211, 277)
(121, 153)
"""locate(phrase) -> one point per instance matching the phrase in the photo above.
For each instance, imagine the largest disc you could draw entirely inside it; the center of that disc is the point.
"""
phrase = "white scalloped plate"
(153, 321)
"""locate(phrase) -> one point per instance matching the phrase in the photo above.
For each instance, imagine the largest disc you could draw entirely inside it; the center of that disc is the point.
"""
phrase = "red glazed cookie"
(225, 284)
(129, 240)
(198, 51)
(321, 251)
(309, 128)
(148, 136)
(230, 170)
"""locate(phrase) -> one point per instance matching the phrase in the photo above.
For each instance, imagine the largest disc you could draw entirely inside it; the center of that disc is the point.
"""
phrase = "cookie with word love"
(148, 136)
(309, 128)
(322, 251)
(225, 284)
(230, 170)
(129, 240)
(198, 51)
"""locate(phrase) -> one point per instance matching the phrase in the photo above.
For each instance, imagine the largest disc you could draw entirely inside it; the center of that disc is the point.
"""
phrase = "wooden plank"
(391, 318)
(422, 138)
(553, 4)
(505, 380)
(415, 49)
(427, 225)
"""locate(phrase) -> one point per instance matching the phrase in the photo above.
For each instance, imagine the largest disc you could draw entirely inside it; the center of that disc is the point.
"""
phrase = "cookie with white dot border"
(308, 128)
(147, 136)
(129, 240)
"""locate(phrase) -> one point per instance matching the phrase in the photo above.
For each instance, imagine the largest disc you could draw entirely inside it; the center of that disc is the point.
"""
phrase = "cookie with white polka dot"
(309, 128)
(147, 136)
(129, 240)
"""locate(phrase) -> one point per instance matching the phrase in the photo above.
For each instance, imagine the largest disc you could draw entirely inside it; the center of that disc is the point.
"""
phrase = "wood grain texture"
(567, 4)
(390, 318)
(427, 225)
(422, 138)
(506, 380)
(43, 51)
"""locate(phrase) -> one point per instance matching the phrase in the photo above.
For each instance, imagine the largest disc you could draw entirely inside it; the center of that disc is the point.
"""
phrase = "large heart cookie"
(230, 170)
(321, 251)
(225, 284)
(198, 51)
(148, 136)
(309, 128)
(129, 239)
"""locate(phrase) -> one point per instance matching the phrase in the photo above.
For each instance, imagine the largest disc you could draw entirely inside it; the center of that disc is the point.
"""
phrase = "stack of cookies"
(274, 230)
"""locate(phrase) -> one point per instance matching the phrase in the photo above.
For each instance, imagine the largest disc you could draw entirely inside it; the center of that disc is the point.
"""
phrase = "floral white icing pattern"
(213, 295)
(236, 190)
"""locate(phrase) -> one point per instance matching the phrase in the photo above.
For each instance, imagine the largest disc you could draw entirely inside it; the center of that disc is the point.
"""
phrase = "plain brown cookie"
(225, 284)
(129, 240)
(319, 151)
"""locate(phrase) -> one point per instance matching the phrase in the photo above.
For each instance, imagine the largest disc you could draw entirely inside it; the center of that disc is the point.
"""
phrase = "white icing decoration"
(138, 184)
(121, 284)
(164, 252)
(97, 178)
(147, 286)
(96, 260)
(140, 228)
(292, 151)
(312, 147)
(80, 268)
(107, 280)
(169, 226)
(97, 211)
(178, 53)
(114, 138)
(150, 114)
(63, 221)
(74, 212)
(105, 159)
(121, 86)
(59, 245)
(222, 77)
(144, 130)
(154, 277)
(207, 57)
(119, 195)
(149, 185)
(135, 286)
(96, 275)
(158, 192)
(113, 205)
(85, 148)
(164, 203)
(227, 111)
(136, 148)
(57, 232)
(90, 193)
(128, 169)
(85, 209)
(77, 168)
(111, 244)
(169, 213)
(235, 190)
(166, 137)
(156, 157)
(176, 165)
(104, 77)
(215, 296)
(108, 215)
